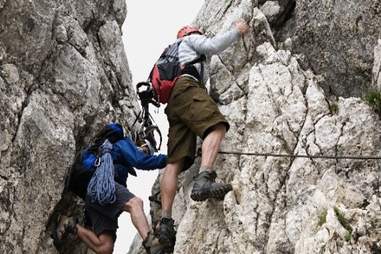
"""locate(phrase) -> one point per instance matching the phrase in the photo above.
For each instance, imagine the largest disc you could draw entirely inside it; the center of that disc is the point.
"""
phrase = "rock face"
(271, 89)
(338, 38)
(376, 74)
(63, 73)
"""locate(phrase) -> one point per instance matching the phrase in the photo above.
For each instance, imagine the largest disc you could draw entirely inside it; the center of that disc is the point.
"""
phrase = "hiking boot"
(66, 228)
(167, 233)
(152, 245)
(205, 187)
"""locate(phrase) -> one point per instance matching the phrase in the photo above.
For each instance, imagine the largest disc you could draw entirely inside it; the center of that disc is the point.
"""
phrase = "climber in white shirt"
(191, 112)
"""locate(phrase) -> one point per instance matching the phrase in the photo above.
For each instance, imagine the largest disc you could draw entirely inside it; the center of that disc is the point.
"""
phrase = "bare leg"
(211, 145)
(135, 207)
(205, 186)
(102, 244)
(168, 187)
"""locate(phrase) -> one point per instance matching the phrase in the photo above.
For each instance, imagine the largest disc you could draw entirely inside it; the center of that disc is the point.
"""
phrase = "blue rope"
(101, 188)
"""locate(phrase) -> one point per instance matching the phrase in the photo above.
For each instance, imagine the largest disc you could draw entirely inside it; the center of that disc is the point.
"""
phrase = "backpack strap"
(171, 51)
(190, 69)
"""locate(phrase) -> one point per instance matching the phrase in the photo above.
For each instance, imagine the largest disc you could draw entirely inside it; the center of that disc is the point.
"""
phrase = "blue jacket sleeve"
(137, 158)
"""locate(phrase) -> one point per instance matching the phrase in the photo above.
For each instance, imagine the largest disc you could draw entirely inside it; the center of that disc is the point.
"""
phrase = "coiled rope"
(101, 188)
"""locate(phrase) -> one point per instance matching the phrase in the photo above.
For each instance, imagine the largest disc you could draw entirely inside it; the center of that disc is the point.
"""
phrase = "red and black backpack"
(167, 70)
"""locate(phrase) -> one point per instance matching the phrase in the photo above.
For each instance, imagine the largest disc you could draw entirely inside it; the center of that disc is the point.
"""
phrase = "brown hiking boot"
(205, 187)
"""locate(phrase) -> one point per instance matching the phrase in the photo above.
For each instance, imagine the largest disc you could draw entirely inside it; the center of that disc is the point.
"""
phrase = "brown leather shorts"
(191, 112)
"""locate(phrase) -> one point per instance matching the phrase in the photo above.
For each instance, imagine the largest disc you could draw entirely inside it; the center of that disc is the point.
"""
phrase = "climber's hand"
(242, 26)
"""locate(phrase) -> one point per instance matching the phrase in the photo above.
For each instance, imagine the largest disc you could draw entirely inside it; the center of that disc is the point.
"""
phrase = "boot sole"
(218, 193)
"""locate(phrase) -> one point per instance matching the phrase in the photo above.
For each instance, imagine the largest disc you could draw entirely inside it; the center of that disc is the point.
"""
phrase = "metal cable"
(329, 157)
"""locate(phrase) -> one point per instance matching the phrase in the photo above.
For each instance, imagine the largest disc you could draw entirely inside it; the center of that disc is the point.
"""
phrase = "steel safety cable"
(330, 157)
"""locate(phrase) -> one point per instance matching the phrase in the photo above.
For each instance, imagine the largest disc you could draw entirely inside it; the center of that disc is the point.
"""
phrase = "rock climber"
(191, 112)
(101, 221)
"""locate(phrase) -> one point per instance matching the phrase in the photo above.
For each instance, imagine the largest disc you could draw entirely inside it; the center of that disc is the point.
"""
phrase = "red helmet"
(187, 30)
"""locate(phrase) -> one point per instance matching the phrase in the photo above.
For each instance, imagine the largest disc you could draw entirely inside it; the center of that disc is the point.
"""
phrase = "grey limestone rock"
(63, 74)
(270, 9)
(376, 81)
(338, 39)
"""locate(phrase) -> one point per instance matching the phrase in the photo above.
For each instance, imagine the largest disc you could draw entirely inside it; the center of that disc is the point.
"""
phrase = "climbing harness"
(149, 127)
(328, 157)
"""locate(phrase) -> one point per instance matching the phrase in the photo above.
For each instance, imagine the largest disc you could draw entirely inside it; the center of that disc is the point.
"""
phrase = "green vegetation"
(334, 108)
(344, 222)
(322, 218)
(373, 98)
(348, 236)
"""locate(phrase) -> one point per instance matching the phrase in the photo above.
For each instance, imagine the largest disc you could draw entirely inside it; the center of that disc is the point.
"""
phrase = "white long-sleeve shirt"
(195, 45)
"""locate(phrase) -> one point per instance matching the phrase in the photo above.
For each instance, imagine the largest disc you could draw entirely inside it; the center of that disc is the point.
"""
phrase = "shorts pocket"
(202, 109)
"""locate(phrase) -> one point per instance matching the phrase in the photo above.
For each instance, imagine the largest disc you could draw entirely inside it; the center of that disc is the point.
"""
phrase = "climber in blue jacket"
(101, 221)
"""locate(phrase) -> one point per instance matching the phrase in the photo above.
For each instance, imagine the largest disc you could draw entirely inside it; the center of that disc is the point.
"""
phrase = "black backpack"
(79, 177)
(167, 70)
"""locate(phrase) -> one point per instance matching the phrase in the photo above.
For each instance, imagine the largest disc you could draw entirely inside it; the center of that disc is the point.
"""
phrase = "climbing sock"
(205, 187)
